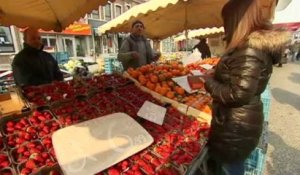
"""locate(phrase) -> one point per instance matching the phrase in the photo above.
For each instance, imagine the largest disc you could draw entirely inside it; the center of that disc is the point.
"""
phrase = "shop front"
(73, 41)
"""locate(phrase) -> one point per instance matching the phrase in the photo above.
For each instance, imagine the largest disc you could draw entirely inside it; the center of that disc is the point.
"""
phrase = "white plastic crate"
(266, 100)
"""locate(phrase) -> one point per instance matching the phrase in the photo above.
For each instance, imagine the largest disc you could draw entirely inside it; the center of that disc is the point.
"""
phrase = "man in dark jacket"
(33, 66)
(203, 48)
(136, 51)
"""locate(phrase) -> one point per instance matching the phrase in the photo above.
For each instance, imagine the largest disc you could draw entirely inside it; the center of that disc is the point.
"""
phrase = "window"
(49, 43)
(108, 15)
(95, 14)
(102, 13)
(45, 42)
(6, 42)
(52, 42)
(118, 10)
(127, 7)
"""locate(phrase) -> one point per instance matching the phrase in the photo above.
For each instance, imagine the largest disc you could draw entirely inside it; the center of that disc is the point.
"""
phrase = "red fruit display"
(4, 161)
(30, 150)
(6, 172)
(1, 144)
(168, 171)
(39, 117)
(13, 127)
(47, 128)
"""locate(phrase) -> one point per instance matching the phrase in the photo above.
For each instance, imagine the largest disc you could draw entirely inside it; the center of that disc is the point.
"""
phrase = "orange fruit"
(170, 95)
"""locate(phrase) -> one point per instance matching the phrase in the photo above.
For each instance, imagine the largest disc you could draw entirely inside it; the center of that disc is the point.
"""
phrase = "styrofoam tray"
(92, 146)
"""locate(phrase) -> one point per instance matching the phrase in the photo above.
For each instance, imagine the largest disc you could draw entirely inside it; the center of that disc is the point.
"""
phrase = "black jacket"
(35, 67)
(240, 77)
(203, 49)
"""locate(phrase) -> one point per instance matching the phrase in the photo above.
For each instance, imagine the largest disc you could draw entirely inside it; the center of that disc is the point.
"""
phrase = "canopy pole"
(185, 27)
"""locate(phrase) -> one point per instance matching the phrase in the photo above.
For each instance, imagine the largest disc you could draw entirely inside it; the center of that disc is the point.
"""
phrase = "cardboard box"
(5, 96)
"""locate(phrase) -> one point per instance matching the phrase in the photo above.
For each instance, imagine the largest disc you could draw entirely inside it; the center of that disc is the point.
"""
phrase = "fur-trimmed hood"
(272, 41)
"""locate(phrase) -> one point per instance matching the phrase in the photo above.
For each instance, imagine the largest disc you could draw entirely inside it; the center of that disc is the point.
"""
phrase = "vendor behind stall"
(32, 65)
(136, 51)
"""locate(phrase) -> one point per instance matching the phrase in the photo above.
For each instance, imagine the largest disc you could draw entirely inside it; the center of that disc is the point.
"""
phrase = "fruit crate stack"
(108, 65)
(254, 165)
(112, 65)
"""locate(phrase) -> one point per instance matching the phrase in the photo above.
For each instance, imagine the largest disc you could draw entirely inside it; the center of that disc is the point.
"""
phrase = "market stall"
(27, 145)
(47, 15)
(201, 33)
(161, 21)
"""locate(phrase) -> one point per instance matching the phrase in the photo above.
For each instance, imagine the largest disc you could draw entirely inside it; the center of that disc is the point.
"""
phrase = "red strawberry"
(27, 136)
(113, 171)
(19, 140)
(21, 149)
(124, 165)
(42, 134)
(50, 162)
(21, 134)
(39, 147)
(26, 153)
(34, 150)
(10, 124)
(19, 126)
(36, 113)
(30, 164)
(31, 130)
(41, 118)
(31, 145)
(10, 129)
(23, 121)
(25, 171)
(38, 158)
(3, 157)
(45, 155)
(46, 129)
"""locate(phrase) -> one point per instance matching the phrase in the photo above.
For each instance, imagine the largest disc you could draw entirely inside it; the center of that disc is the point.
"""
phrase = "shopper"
(136, 51)
(298, 54)
(239, 79)
(203, 48)
(32, 65)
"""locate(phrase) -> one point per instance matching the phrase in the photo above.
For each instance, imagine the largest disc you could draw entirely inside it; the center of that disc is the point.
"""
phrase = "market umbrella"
(48, 15)
(201, 33)
(288, 15)
(168, 17)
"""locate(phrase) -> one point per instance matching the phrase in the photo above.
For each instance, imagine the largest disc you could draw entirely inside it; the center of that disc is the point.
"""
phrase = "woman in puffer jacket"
(239, 79)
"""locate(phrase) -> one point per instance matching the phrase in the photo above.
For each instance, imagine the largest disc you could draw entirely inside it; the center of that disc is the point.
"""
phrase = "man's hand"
(210, 73)
(135, 55)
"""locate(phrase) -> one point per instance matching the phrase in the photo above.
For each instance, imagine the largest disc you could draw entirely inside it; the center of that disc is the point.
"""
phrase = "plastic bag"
(192, 58)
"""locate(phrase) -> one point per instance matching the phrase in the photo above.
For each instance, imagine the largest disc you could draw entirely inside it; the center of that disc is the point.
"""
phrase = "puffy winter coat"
(240, 77)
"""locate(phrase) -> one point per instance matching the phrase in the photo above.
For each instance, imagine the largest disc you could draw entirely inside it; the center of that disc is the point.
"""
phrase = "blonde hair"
(241, 18)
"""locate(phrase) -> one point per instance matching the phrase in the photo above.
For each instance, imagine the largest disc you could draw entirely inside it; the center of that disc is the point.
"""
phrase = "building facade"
(108, 43)
(78, 40)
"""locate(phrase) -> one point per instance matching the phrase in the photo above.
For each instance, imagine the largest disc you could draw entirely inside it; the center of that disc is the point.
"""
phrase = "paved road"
(283, 157)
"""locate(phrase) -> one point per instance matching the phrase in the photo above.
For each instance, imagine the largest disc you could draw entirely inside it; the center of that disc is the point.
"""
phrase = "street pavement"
(283, 156)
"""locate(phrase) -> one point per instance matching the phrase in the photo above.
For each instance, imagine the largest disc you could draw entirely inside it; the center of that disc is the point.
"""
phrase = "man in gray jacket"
(136, 51)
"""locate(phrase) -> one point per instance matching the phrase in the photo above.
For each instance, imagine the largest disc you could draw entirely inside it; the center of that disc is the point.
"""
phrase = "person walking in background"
(203, 48)
(136, 51)
(32, 65)
(240, 77)
(298, 54)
